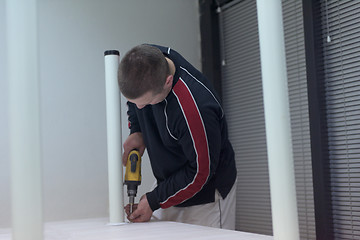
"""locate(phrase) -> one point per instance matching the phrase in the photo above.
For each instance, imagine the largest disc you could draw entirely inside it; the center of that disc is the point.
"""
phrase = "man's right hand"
(141, 212)
(133, 141)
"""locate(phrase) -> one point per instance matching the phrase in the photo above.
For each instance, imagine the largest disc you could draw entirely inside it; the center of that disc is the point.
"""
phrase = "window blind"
(340, 23)
(299, 114)
(243, 104)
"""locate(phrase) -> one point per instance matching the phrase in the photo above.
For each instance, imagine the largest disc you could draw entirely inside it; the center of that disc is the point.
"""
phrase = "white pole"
(114, 143)
(277, 120)
(24, 119)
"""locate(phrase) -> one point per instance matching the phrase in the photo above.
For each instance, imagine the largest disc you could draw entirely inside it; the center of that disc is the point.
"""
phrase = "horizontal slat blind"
(243, 104)
(299, 113)
(341, 22)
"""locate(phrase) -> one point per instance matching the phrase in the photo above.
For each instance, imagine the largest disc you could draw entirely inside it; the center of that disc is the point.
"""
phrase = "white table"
(97, 229)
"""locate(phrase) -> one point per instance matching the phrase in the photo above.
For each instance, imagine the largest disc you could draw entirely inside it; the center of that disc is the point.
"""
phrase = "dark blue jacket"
(187, 140)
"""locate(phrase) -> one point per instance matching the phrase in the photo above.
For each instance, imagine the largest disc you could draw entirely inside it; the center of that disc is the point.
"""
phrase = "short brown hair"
(142, 69)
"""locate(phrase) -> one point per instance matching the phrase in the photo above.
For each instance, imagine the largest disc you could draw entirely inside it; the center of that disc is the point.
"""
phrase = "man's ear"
(169, 81)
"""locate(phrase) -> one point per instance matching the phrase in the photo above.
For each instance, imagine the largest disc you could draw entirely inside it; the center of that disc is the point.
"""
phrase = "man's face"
(148, 98)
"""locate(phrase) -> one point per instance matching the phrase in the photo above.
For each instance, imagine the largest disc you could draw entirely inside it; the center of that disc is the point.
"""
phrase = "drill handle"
(133, 167)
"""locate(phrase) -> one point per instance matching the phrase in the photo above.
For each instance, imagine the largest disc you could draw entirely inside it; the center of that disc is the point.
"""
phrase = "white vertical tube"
(277, 120)
(114, 144)
(24, 119)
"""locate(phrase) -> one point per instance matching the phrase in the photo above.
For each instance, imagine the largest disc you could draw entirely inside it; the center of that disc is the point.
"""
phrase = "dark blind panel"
(299, 113)
(243, 104)
(341, 51)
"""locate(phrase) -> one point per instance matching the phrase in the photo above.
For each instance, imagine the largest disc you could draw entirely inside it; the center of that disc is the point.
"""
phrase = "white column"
(114, 143)
(277, 120)
(24, 119)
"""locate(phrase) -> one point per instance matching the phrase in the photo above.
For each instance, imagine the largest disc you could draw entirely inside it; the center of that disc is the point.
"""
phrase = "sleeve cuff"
(152, 200)
(134, 129)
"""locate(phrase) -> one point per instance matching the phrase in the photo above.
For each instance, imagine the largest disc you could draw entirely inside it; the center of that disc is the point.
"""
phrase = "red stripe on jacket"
(198, 134)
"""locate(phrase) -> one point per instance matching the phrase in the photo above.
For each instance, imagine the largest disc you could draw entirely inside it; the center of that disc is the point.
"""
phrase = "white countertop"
(97, 229)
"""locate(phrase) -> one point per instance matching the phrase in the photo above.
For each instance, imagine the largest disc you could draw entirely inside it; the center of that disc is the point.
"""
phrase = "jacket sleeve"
(198, 133)
(133, 122)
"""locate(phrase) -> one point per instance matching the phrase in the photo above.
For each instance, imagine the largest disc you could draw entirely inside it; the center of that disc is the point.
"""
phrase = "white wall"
(4, 152)
(73, 35)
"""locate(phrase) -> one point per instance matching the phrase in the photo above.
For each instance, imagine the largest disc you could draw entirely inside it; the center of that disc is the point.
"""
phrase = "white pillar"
(114, 143)
(277, 120)
(24, 119)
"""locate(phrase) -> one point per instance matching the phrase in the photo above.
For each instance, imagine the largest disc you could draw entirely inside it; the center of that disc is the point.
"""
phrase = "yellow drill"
(133, 175)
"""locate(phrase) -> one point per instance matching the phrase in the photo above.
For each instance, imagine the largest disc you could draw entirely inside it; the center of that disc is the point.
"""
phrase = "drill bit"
(131, 202)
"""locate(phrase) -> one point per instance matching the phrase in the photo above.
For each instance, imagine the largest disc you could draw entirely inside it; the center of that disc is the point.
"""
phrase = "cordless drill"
(133, 176)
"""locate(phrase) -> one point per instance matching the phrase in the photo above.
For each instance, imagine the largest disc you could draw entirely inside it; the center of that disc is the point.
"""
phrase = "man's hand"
(133, 141)
(141, 212)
